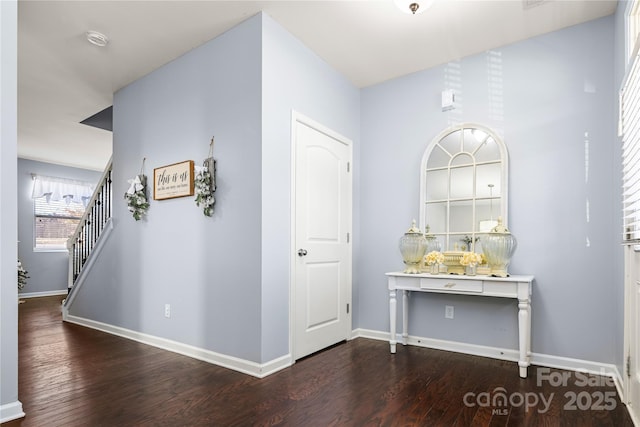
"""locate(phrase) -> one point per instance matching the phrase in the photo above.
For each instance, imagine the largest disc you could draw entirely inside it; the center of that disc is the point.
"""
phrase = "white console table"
(516, 287)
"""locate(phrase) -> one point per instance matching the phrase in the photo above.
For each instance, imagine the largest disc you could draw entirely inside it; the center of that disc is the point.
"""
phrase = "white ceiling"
(62, 79)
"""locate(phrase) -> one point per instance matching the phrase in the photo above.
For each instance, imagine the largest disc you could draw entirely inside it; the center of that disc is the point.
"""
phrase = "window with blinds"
(59, 204)
(630, 131)
(55, 221)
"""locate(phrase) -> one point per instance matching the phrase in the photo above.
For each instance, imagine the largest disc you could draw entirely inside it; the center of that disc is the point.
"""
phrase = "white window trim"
(629, 125)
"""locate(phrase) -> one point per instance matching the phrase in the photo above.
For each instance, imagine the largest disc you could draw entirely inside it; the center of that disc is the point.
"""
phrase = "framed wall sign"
(174, 180)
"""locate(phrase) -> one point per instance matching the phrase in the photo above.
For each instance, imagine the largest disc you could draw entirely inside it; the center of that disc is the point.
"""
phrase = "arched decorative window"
(463, 186)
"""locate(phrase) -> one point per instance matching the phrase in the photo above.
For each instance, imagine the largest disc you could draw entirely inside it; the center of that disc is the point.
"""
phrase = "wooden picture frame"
(171, 181)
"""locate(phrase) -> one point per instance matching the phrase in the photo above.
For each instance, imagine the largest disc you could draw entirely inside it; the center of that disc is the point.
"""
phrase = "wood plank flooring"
(75, 376)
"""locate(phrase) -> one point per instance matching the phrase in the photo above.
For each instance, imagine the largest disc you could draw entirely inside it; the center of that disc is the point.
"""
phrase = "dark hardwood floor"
(75, 376)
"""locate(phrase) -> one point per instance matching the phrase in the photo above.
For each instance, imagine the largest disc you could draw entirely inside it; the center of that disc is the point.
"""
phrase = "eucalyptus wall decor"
(205, 183)
(136, 195)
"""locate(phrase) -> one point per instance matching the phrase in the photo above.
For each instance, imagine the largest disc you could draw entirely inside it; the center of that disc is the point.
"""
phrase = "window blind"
(630, 129)
(55, 221)
(58, 206)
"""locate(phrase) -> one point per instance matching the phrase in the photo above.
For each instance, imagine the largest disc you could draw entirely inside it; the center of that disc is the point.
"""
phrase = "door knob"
(302, 252)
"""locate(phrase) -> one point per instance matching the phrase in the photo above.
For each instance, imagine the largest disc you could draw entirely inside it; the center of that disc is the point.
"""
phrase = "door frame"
(631, 276)
(627, 258)
(296, 118)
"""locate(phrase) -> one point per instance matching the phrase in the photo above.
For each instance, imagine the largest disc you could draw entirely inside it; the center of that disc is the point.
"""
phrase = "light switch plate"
(448, 100)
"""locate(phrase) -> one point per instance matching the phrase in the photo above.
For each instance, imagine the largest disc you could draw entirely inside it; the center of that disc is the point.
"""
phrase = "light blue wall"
(552, 98)
(226, 277)
(293, 78)
(208, 269)
(48, 271)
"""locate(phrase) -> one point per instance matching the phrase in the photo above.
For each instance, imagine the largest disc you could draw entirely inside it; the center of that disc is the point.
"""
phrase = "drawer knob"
(449, 285)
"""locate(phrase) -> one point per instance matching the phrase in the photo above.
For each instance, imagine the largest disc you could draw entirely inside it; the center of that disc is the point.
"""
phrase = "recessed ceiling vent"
(528, 4)
(97, 38)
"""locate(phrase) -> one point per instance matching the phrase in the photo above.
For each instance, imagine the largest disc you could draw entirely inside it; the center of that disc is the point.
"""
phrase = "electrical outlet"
(167, 310)
(448, 312)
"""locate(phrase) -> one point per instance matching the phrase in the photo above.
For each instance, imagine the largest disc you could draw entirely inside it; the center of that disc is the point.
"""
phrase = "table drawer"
(451, 285)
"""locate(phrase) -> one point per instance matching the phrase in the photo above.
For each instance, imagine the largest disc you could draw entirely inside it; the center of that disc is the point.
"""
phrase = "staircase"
(92, 230)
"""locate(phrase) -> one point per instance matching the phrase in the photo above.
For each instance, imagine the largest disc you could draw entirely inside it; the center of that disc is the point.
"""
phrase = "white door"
(321, 248)
(632, 329)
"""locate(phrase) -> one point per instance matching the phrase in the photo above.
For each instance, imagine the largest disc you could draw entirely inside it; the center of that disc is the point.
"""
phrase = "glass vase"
(432, 242)
(498, 246)
(470, 270)
(412, 247)
(434, 268)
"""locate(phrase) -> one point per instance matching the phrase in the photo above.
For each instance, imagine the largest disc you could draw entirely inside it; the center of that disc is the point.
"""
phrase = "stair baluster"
(90, 227)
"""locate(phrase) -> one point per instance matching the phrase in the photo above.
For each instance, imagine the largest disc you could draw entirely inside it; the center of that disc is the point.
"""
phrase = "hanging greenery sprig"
(23, 275)
(204, 195)
(205, 183)
(136, 195)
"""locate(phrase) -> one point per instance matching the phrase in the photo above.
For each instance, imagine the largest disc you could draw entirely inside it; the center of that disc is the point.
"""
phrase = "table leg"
(529, 334)
(392, 320)
(405, 316)
(524, 334)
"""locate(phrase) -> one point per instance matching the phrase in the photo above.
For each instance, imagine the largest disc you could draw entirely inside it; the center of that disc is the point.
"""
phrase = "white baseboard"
(43, 294)
(262, 370)
(546, 360)
(458, 347)
(632, 414)
(259, 370)
(11, 411)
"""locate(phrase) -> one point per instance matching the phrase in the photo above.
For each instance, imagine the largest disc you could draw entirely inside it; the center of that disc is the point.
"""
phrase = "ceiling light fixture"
(413, 7)
(97, 38)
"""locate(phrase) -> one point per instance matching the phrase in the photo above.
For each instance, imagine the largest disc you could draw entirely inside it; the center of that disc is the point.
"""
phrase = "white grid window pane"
(55, 221)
